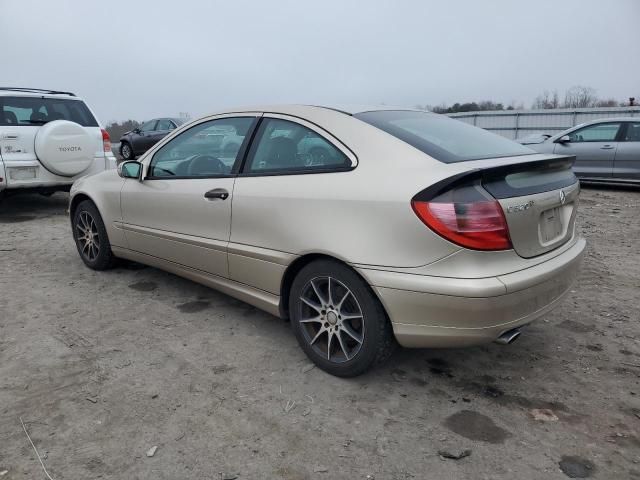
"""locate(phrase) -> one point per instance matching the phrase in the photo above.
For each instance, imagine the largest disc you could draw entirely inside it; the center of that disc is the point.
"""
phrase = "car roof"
(591, 122)
(297, 109)
(174, 119)
(611, 119)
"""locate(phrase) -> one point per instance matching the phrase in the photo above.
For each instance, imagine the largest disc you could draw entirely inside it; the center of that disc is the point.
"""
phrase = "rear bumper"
(15, 175)
(433, 312)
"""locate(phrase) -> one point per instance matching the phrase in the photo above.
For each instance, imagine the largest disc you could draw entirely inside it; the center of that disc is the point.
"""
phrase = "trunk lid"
(538, 198)
(539, 201)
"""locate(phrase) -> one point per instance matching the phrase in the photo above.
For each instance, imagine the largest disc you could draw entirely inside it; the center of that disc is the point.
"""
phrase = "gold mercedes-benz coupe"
(364, 227)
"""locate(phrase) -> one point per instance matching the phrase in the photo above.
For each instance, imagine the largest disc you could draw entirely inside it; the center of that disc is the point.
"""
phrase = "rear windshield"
(16, 111)
(441, 137)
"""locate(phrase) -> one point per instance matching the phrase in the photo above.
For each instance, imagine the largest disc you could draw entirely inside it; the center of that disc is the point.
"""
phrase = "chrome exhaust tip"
(508, 337)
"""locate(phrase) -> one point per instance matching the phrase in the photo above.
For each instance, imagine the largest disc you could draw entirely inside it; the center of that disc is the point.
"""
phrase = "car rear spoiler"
(495, 176)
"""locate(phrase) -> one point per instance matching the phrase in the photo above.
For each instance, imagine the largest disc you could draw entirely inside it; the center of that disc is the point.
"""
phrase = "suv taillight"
(106, 141)
(466, 216)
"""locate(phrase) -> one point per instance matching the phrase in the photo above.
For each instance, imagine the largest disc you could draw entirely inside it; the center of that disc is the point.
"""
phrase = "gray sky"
(138, 59)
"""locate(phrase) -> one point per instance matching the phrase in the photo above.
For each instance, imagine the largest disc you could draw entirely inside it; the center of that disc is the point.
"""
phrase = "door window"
(633, 133)
(207, 149)
(164, 125)
(605, 132)
(288, 146)
(148, 126)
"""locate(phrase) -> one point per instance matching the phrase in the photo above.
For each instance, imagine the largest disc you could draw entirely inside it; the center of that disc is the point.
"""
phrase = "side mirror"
(564, 139)
(131, 169)
(136, 130)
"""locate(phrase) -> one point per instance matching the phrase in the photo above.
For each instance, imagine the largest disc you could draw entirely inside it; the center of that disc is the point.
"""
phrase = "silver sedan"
(606, 150)
(410, 228)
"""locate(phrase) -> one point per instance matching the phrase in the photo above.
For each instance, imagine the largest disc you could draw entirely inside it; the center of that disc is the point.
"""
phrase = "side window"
(164, 124)
(288, 146)
(605, 132)
(148, 126)
(172, 126)
(633, 133)
(207, 149)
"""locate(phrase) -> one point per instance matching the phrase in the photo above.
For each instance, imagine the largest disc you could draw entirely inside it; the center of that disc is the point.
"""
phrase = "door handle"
(220, 193)
(606, 147)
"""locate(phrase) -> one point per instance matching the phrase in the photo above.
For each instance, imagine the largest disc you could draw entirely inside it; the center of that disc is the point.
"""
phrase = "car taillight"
(106, 140)
(466, 217)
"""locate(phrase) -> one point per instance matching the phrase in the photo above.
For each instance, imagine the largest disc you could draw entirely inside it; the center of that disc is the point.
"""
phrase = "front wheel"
(337, 319)
(91, 238)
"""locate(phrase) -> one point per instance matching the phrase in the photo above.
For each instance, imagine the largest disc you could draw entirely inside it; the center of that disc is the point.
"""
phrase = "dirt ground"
(102, 366)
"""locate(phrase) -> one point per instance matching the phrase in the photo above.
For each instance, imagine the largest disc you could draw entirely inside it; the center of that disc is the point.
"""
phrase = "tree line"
(575, 97)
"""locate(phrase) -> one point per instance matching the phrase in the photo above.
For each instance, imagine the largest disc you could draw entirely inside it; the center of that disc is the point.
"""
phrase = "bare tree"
(546, 100)
(514, 105)
(580, 97)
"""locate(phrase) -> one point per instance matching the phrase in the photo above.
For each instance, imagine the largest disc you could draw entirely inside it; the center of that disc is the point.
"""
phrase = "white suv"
(48, 139)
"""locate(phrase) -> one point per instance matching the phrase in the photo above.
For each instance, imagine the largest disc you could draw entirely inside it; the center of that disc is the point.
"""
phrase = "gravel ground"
(103, 366)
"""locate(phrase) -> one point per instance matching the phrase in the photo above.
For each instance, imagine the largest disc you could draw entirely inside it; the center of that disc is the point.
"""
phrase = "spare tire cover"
(64, 148)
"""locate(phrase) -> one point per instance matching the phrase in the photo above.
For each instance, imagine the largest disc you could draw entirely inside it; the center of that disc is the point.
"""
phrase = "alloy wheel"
(331, 319)
(87, 236)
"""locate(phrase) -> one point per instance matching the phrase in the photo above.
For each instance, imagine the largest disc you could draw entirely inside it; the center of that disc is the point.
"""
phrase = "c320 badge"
(520, 208)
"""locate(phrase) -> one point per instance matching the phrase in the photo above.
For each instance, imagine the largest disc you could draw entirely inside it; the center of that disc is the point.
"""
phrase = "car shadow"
(494, 372)
(18, 208)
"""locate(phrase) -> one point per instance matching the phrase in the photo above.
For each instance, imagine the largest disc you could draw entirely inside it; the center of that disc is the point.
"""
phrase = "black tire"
(97, 253)
(377, 340)
(126, 151)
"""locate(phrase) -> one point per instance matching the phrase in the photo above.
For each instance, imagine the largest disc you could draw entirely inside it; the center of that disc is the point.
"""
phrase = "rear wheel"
(126, 151)
(91, 238)
(337, 319)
